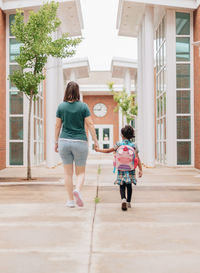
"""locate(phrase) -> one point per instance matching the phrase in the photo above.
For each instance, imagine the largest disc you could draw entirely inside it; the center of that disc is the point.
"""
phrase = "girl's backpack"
(125, 158)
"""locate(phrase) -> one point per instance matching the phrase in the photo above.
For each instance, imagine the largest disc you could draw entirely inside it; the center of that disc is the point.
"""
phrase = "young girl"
(125, 178)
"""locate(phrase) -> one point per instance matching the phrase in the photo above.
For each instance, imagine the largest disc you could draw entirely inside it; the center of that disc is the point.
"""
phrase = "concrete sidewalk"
(159, 234)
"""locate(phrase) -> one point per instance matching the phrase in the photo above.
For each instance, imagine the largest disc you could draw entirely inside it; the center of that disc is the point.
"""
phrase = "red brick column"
(2, 90)
(196, 90)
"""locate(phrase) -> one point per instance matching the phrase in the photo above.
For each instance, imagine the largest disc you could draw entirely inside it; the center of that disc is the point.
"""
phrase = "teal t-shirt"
(73, 115)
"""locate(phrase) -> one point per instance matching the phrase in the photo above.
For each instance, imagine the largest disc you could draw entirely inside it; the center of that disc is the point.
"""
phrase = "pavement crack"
(93, 219)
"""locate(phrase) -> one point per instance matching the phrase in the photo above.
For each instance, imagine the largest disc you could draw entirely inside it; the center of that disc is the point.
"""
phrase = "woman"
(72, 115)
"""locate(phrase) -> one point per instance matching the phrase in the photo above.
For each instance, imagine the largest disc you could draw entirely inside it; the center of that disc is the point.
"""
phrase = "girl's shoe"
(129, 204)
(79, 200)
(70, 204)
(124, 204)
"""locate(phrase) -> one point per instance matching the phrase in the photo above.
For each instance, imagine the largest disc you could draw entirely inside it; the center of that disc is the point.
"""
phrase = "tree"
(126, 103)
(37, 44)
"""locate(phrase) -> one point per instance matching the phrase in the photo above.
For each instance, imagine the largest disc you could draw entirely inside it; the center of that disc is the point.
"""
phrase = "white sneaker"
(70, 204)
(79, 200)
(124, 204)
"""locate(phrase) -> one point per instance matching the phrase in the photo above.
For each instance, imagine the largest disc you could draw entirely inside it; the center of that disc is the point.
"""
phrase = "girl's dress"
(126, 177)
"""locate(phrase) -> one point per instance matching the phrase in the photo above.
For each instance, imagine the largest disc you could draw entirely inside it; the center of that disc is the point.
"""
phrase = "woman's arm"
(90, 125)
(57, 132)
(105, 150)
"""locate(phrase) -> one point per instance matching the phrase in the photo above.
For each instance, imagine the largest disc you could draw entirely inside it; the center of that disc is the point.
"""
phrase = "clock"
(100, 109)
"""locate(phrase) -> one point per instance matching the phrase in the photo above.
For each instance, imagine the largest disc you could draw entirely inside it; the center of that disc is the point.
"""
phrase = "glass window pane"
(164, 102)
(183, 75)
(16, 153)
(106, 134)
(16, 128)
(183, 49)
(97, 133)
(183, 153)
(16, 103)
(182, 23)
(14, 49)
(106, 146)
(12, 69)
(11, 21)
(183, 128)
(183, 102)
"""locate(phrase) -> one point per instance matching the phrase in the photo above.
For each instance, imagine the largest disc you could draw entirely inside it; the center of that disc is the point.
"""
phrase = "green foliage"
(37, 44)
(96, 200)
(125, 103)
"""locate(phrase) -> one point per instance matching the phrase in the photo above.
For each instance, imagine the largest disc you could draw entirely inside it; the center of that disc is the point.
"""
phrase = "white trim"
(192, 88)
(7, 91)
(171, 129)
(190, 4)
(100, 140)
(78, 6)
(102, 87)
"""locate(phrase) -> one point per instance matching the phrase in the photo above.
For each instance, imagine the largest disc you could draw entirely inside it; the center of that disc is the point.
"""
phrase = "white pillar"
(127, 81)
(148, 87)
(72, 75)
(139, 137)
(51, 106)
(171, 88)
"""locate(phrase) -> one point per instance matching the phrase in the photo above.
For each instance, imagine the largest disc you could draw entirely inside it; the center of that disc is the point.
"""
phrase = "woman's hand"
(56, 147)
(140, 173)
(96, 145)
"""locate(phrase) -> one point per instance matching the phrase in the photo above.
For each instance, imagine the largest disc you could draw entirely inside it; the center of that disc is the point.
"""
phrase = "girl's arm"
(105, 150)
(139, 166)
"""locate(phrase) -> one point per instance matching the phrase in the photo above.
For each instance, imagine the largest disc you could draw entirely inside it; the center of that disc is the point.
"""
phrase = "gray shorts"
(70, 151)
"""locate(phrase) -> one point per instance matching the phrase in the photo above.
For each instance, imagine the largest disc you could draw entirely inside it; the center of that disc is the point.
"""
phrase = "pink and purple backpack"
(125, 158)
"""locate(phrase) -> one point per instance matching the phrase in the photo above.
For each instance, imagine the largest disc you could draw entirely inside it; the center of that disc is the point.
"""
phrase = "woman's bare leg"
(80, 173)
(68, 170)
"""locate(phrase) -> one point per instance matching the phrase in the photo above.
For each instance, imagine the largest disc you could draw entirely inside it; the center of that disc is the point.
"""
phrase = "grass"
(96, 200)
(99, 169)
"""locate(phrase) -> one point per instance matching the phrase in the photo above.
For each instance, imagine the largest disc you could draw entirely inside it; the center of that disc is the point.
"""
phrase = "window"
(183, 88)
(161, 93)
(16, 102)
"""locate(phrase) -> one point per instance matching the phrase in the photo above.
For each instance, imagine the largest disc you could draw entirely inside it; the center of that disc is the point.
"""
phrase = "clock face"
(100, 110)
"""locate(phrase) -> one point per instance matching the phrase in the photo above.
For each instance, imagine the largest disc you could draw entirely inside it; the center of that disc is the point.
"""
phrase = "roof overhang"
(131, 12)
(69, 12)
(79, 66)
(119, 66)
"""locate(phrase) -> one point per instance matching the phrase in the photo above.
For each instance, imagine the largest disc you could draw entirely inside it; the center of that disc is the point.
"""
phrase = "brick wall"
(2, 90)
(197, 90)
(110, 118)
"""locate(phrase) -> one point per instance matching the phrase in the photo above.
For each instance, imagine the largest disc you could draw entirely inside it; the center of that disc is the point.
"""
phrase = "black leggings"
(123, 191)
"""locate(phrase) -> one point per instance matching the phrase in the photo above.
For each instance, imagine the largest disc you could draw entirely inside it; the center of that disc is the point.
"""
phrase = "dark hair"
(128, 132)
(72, 92)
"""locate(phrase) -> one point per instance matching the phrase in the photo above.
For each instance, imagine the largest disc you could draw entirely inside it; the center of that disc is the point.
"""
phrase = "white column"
(143, 125)
(127, 81)
(81, 96)
(72, 75)
(139, 136)
(51, 106)
(149, 87)
(171, 88)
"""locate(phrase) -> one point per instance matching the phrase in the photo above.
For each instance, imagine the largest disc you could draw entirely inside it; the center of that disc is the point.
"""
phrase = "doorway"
(104, 134)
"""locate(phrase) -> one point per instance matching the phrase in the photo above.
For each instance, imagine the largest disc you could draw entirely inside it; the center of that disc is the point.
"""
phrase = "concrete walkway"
(159, 234)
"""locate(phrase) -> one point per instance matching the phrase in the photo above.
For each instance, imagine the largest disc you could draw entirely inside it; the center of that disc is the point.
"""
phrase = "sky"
(101, 42)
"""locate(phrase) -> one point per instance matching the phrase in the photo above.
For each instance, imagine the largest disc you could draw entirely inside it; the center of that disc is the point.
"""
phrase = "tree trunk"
(29, 140)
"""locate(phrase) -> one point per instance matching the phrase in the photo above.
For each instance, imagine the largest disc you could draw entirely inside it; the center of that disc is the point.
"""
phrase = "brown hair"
(72, 92)
(128, 132)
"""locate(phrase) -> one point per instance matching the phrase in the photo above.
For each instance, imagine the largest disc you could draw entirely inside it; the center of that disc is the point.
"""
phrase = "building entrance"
(104, 136)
